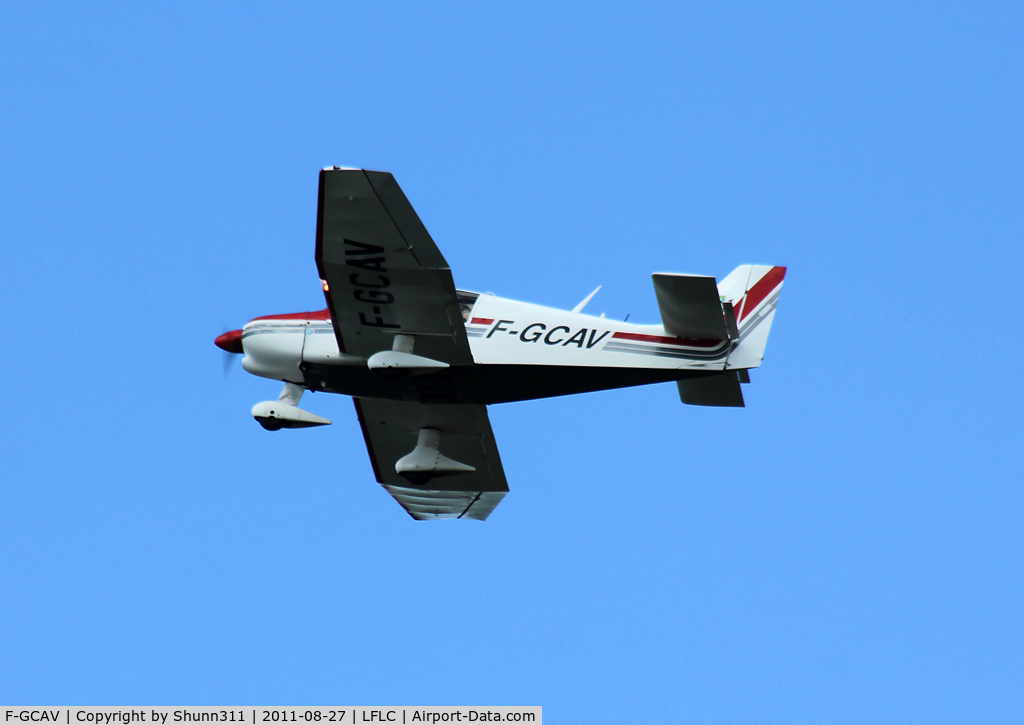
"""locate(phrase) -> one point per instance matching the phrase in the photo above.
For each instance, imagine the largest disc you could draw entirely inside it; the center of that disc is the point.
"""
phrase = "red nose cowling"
(230, 342)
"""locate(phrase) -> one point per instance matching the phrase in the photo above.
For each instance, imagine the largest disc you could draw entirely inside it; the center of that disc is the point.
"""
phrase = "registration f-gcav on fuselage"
(422, 359)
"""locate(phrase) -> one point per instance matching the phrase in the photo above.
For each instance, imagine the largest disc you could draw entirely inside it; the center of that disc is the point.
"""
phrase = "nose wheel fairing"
(285, 413)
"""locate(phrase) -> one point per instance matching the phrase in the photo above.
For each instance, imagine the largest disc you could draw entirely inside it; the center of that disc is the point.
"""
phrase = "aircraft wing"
(382, 273)
(390, 429)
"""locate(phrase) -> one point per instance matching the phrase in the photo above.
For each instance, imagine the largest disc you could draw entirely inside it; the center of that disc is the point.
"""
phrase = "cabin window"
(466, 302)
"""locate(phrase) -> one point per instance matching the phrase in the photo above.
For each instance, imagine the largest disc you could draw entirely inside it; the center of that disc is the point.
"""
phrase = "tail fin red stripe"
(764, 287)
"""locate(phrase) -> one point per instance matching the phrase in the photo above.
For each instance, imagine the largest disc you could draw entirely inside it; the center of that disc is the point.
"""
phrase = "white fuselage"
(505, 332)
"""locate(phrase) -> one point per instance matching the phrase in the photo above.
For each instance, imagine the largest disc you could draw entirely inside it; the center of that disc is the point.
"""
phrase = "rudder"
(754, 292)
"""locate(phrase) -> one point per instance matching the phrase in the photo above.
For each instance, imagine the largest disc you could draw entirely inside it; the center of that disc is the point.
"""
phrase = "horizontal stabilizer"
(718, 390)
(690, 306)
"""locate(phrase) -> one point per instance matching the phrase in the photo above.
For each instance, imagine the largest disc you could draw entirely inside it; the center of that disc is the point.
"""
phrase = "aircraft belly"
(511, 383)
(482, 384)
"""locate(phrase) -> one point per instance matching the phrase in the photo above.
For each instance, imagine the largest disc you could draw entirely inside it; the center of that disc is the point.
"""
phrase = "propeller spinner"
(230, 342)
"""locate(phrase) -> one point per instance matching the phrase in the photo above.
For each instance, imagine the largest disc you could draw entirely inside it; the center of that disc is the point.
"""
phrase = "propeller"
(230, 363)
(231, 343)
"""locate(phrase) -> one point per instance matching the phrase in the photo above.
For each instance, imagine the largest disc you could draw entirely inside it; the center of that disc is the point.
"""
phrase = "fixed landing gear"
(426, 461)
(285, 413)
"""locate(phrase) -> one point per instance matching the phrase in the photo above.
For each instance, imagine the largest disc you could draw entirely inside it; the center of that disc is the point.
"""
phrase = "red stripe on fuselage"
(481, 321)
(764, 287)
(666, 340)
(319, 315)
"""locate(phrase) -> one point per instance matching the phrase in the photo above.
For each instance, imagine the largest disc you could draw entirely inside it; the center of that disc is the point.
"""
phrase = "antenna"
(581, 305)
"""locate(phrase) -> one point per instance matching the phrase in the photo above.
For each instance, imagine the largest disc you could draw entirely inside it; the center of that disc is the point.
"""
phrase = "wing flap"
(425, 505)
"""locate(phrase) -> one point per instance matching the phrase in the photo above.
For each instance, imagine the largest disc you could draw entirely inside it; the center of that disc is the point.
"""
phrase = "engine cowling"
(273, 349)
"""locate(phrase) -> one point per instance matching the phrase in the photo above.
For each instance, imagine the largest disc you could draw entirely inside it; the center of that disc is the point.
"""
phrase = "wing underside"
(384, 276)
(382, 272)
(390, 429)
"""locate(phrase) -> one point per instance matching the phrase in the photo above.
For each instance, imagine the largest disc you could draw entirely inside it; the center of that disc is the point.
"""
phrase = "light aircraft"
(422, 360)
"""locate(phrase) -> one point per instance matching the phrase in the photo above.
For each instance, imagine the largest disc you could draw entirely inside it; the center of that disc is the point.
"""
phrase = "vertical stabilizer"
(754, 292)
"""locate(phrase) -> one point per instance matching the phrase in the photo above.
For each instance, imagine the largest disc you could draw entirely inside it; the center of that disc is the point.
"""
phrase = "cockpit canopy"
(466, 302)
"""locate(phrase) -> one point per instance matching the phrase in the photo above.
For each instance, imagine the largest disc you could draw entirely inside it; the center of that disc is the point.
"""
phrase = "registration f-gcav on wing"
(422, 360)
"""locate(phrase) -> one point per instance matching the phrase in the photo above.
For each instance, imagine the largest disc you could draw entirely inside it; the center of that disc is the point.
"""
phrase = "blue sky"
(847, 548)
